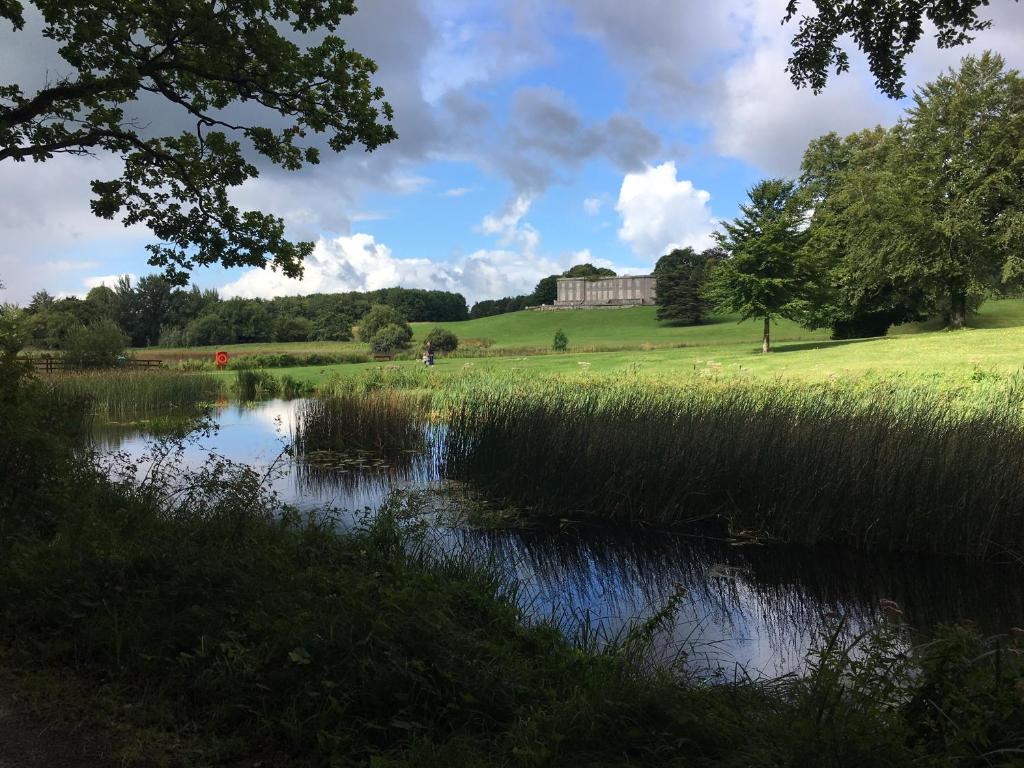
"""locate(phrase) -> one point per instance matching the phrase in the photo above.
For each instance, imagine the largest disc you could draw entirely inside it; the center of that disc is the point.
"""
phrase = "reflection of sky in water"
(757, 607)
(257, 434)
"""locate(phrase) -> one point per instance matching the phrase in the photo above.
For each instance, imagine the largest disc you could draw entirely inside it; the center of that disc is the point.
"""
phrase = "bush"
(292, 329)
(443, 340)
(561, 342)
(379, 317)
(389, 338)
(97, 345)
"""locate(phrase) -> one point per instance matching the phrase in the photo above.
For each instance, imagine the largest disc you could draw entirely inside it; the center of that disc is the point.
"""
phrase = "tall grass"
(383, 421)
(888, 467)
(122, 395)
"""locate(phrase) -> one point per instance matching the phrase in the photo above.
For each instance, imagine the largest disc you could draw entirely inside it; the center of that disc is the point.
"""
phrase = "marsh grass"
(380, 421)
(884, 466)
(255, 384)
(125, 395)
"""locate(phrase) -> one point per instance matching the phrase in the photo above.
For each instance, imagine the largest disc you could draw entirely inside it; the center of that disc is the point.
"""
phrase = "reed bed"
(123, 395)
(382, 421)
(887, 466)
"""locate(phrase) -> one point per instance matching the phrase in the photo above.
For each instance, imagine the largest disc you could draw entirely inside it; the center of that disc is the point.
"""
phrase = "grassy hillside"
(994, 345)
(612, 328)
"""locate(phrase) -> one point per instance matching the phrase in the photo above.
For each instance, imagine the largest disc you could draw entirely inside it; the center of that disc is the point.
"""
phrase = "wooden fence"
(59, 364)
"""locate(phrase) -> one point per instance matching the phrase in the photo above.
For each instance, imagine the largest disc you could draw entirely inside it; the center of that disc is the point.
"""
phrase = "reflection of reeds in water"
(322, 473)
(780, 599)
(387, 421)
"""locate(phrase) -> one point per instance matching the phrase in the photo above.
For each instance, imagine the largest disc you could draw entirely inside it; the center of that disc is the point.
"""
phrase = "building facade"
(629, 291)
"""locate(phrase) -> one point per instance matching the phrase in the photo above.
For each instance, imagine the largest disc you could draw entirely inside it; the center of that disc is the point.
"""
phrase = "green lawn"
(611, 328)
(723, 347)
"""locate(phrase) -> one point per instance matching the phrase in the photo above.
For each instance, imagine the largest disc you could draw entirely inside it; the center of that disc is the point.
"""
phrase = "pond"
(751, 609)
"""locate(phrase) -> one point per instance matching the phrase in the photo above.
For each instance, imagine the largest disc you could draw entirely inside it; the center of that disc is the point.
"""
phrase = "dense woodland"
(154, 312)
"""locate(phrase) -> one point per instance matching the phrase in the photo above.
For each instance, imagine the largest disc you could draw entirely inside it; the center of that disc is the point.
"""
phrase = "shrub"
(292, 329)
(251, 385)
(389, 338)
(379, 317)
(443, 340)
(561, 342)
(97, 345)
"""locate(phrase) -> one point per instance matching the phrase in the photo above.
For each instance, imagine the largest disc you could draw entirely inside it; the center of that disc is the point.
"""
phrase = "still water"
(753, 609)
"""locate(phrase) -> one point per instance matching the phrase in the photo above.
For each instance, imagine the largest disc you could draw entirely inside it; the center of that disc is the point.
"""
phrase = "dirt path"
(26, 741)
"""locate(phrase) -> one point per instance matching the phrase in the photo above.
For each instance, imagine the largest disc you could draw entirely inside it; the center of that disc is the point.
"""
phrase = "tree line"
(545, 292)
(154, 312)
(885, 226)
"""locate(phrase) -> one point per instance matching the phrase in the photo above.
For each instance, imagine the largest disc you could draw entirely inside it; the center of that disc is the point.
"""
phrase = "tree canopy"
(885, 30)
(256, 80)
(927, 217)
(680, 279)
(765, 273)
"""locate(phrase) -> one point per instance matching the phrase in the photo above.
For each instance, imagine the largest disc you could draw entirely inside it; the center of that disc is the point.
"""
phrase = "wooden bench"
(381, 356)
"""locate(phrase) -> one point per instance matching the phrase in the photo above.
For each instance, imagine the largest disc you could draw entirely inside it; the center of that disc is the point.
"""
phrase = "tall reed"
(378, 421)
(889, 468)
(121, 395)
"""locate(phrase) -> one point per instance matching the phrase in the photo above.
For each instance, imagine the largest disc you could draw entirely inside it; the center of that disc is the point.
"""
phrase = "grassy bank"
(210, 629)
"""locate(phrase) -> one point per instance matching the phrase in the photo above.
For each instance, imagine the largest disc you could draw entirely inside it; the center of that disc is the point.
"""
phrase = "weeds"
(123, 395)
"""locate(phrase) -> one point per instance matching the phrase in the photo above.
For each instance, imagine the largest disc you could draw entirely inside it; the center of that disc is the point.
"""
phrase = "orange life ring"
(221, 358)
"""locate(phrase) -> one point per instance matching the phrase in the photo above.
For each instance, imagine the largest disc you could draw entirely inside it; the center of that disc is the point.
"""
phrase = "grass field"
(724, 348)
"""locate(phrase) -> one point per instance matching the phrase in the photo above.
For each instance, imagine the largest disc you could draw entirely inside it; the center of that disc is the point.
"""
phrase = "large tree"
(886, 30)
(680, 279)
(258, 80)
(870, 275)
(765, 273)
(963, 166)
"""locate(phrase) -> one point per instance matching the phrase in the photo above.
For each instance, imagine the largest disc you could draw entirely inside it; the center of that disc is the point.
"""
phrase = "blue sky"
(533, 135)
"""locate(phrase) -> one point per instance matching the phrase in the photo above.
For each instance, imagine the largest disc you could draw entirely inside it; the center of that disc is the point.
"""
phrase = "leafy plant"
(561, 341)
(442, 340)
(98, 345)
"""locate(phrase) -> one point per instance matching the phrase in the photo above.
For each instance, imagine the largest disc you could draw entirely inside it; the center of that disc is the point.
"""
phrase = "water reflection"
(751, 608)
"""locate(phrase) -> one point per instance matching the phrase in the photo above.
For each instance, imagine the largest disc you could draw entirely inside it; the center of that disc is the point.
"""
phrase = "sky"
(532, 136)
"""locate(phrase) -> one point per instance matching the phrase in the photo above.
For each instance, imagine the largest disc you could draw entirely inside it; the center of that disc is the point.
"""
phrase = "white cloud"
(108, 280)
(592, 206)
(359, 263)
(660, 212)
(507, 227)
(456, 192)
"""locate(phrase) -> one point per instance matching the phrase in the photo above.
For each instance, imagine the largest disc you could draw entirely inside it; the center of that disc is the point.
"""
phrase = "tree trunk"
(957, 308)
(765, 340)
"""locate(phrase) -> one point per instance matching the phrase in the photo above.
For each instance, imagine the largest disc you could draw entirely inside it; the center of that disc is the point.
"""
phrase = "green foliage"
(916, 221)
(492, 307)
(126, 394)
(766, 273)
(292, 329)
(379, 316)
(255, 384)
(200, 61)
(442, 340)
(890, 465)
(385, 420)
(100, 344)
(680, 278)
(390, 338)
(560, 342)
(588, 271)
(886, 33)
